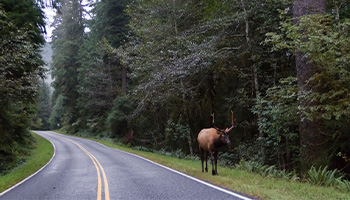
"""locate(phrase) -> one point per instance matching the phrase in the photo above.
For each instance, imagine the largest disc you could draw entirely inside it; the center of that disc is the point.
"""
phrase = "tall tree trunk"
(312, 141)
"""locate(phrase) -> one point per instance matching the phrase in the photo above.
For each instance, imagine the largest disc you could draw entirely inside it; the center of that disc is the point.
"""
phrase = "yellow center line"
(104, 179)
(94, 160)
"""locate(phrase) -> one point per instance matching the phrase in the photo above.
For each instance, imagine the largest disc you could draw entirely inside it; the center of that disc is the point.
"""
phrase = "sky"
(47, 51)
(49, 13)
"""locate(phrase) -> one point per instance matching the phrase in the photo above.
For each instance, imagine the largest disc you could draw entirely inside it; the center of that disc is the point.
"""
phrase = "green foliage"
(323, 176)
(327, 47)
(66, 42)
(245, 150)
(86, 70)
(324, 40)
(266, 170)
(278, 119)
(176, 153)
(43, 111)
(56, 117)
(118, 119)
(344, 186)
(110, 21)
(28, 15)
(97, 88)
(176, 136)
(20, 68)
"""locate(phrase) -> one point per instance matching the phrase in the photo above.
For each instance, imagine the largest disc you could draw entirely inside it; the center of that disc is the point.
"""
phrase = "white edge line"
(183, 174)
(191, 177)
(24, 180)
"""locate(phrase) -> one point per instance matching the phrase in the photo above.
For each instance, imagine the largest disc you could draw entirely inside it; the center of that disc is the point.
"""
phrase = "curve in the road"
(71, 175)
(98, 167)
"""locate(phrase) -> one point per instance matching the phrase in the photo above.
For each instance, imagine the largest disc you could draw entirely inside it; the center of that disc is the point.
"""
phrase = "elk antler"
(213, 117)
(232, 123)
(218, 129)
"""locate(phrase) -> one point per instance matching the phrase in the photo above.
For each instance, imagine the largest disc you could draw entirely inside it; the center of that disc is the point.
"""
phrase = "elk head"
(224, 132)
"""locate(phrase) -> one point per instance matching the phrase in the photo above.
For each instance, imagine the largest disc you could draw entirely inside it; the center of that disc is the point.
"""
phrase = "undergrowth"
(266, 170)
(321, 176)
(325, 177)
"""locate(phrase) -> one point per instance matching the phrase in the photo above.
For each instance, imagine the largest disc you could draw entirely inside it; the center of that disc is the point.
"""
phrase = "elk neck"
(219, 141)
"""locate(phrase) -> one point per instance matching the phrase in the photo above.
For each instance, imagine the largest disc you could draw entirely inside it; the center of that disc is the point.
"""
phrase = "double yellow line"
(98, 167)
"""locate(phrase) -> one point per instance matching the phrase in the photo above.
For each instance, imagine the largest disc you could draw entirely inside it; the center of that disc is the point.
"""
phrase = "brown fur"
(209, 141)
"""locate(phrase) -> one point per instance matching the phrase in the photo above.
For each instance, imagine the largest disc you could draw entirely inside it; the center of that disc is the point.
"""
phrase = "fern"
(344, 186)
(323, 176)
(266, 170)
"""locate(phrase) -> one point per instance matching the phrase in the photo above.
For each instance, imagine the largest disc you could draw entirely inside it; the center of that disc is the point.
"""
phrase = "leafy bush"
(143, 148)
(249, 166)
(266, 170)
(244, 151)
(177, 135)
(323, 176)
(119, 117)
(178, 153)
(278, 120)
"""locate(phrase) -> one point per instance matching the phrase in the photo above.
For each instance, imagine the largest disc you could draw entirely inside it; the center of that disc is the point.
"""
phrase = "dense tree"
(328, 97)
(110, 21)
(57, 113)
(43, 106)
(28, 15)
(21, 25)
(66, 42)
(100, 75)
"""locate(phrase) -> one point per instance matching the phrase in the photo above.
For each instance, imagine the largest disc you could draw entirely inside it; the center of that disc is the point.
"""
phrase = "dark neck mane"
(219, 143)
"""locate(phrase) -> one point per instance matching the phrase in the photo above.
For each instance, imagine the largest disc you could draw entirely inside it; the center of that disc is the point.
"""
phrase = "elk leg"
(212, 162)
(216, 162)
(206, 161)
(202, 158)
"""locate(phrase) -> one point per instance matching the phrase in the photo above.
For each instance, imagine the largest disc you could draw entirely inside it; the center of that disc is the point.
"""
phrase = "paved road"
(84, 169)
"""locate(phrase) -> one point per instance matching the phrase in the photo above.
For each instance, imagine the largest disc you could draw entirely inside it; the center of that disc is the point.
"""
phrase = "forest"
(149, 73)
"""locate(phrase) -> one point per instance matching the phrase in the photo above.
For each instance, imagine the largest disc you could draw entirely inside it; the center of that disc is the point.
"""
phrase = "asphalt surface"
(84, 169)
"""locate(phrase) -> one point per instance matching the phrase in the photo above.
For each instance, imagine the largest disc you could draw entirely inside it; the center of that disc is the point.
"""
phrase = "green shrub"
(344, 186)
(323, 176)
(249, 166)
(266, 170)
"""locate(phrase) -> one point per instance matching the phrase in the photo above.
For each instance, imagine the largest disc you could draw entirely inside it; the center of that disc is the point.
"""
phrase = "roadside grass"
(244, 182)
(247, 183)
(39, 156)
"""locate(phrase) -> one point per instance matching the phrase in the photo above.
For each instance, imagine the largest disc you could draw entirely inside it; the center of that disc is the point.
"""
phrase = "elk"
(210, 140)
